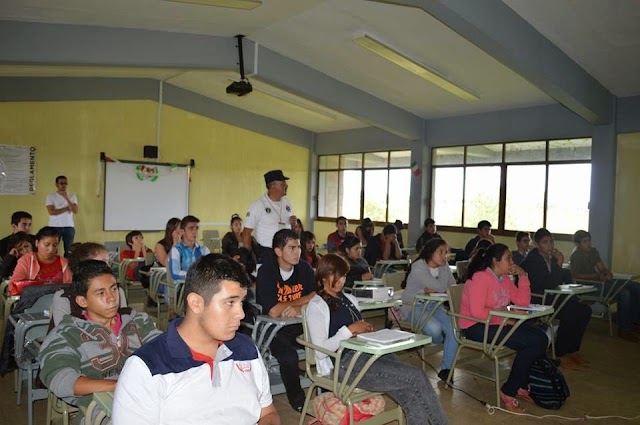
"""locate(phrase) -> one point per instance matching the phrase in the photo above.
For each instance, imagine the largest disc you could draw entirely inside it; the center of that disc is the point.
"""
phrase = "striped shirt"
(182, 257)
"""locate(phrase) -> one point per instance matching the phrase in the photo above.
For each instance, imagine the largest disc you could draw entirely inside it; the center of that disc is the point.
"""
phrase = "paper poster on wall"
(17, 170)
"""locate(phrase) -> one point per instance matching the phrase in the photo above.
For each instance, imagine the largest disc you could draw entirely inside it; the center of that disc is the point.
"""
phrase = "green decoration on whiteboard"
(145, 172)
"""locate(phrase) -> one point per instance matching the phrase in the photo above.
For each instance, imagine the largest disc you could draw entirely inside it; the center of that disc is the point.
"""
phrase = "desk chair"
(173, 296)
(394, 280)
(461, 269)
(59, 409)
(344, 392)
(607, 298)
(157, 275)
(494, 350)
(211, 239)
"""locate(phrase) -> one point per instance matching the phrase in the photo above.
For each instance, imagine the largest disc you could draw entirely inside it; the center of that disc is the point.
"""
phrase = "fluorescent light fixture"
(233, 4)
(410, 65)
(291, 102)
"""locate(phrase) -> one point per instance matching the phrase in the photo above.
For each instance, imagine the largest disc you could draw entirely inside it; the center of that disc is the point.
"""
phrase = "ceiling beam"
(503, 34)
(29, 43)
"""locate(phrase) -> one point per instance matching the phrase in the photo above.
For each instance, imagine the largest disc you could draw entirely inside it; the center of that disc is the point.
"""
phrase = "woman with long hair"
(431, 273)
(172, 235)
(365, 231)
(333, 316)
(308, 245)
(351, 250)
(44, 264)
(489, 287)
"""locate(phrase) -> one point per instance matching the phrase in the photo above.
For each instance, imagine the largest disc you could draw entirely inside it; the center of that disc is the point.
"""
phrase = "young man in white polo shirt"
(200, 371)
(61, 206)
(267, 215)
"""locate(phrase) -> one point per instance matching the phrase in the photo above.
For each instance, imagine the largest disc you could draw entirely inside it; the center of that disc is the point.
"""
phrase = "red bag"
(15, 288)
(329, 410)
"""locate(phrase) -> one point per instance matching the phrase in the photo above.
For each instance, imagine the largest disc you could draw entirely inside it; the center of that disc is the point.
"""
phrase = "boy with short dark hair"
(335, 239)
(187, 251)
(484, 232)
(587, 264)
(284, 285)
(20, 222)
(523, 242)
(429, 233)
(84, 354)
(137, 249)
(201, 371)
(383, 246)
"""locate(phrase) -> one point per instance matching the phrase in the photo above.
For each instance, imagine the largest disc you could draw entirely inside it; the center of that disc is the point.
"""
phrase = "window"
(516, 185)
(359, 185)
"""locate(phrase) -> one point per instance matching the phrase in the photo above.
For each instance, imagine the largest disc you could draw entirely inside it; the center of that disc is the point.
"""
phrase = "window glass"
(448, 156)
(351, 160)
(447, 196)
(328, 194)
(573, 149)
(375, 194)
(525, 151)
(481, 195)
(350, 193)
(399, 191)
(524, 209)
(400, 159)
(328, 162)
(484, 154)
(568, 197)
(376, 160)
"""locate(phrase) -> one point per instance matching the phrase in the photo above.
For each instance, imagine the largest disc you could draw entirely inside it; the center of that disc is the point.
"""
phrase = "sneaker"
(444, 375)
(297, 404)
(511, 403)
(524, 394)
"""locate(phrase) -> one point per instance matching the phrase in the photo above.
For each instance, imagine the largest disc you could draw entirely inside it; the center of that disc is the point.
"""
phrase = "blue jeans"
(67, 234)
(440, 329)
(530, 344)
(407, 385)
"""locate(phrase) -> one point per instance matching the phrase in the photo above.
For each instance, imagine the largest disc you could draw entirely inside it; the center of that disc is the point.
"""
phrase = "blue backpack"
(547, 386)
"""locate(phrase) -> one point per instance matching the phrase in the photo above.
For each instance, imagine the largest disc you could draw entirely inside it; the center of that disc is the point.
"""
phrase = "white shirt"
(266, 217)
(318, 317)
(57, 201)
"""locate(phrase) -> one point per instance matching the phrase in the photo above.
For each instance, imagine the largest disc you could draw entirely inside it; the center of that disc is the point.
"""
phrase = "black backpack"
(547, 386)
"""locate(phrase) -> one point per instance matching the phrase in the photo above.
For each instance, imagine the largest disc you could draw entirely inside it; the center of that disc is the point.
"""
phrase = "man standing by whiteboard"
(61, 206)
(270, 213)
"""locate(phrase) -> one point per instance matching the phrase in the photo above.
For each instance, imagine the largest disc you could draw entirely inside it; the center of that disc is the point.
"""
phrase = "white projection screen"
(143, 196)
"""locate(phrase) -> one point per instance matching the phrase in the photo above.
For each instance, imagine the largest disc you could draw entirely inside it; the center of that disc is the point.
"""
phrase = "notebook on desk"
(530, 307)
(385, 336)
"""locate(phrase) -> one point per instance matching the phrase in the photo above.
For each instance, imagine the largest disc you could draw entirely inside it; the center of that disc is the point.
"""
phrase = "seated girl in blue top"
(333, 316)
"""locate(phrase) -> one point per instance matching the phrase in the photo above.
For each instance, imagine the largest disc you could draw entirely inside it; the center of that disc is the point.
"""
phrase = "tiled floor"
(611, 386)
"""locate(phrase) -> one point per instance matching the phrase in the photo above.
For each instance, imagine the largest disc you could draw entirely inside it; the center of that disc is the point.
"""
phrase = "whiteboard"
(139, 196)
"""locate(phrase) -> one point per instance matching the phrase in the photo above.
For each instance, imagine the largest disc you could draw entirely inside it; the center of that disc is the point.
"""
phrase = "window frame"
(362, 170)
(499, 228)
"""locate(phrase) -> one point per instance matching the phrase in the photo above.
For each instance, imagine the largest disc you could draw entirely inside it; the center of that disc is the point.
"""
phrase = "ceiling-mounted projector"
(240, 88)
(243, 86)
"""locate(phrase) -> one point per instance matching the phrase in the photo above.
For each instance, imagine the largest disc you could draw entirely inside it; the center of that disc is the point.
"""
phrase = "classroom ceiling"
(600, 36)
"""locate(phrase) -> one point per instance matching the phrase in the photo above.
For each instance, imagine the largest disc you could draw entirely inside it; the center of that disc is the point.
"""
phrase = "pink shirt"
(484, 292)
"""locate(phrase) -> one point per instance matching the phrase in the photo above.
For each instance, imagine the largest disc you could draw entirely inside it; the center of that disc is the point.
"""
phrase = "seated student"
(484, 232)
(298, 227)
(489, 287)
(184, 253)
(429, 233)
(64, 300)
(544, 266)
(333, 316)
(233, 240)
(20, 222)
(84, 354)
(482, 244)
(172, 235)
(383, 246)
(308, 245)
(431, 273)
(44, 265)
(587, 264)
(284, 285)
(335, 239)
(351, 250)
(365, 231)
(399, 227)
(201, 371)
(137, 249)
(19, 244)
(523, 243)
